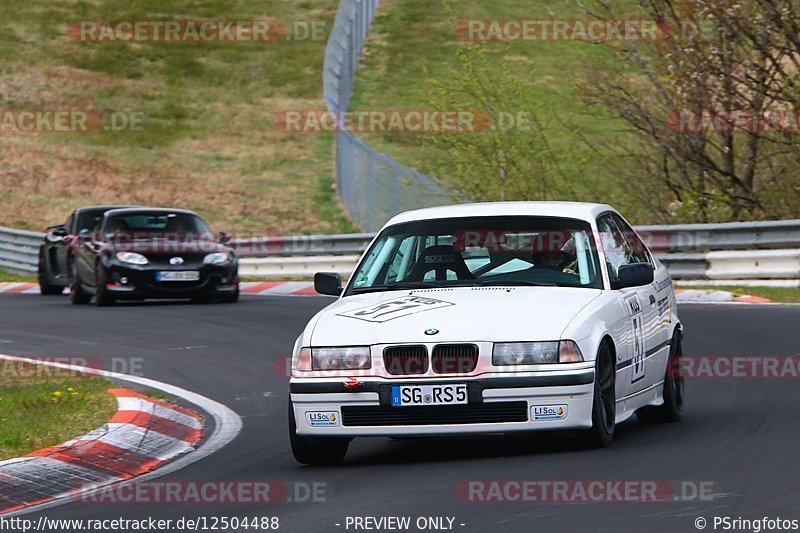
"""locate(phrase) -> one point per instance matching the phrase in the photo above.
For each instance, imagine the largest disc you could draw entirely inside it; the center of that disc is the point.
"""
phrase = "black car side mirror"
(224, 237)
(58, 231)
(86, 235)
(635, 275)
(329, 283)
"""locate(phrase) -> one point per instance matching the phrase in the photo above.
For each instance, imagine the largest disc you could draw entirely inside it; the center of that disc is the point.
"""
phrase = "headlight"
(345, 358)
(535, 353)
(217, 258)
(132, 258)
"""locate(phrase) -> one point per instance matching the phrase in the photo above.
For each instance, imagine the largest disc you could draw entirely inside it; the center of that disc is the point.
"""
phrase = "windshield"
(149, 226)
(481, 251)
(90, 219)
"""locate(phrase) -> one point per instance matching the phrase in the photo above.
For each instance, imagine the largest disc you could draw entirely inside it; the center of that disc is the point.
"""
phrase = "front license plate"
(182, 275)
(412, 395)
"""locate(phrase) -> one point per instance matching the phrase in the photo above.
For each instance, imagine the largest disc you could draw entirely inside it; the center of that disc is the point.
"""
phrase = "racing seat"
(439, 258)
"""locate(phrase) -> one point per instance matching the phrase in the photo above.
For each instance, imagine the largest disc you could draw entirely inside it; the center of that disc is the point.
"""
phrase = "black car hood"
(199, 247)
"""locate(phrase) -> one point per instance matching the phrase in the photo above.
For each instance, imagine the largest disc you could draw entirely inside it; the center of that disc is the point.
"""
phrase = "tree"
(507, 156)
(714, 104)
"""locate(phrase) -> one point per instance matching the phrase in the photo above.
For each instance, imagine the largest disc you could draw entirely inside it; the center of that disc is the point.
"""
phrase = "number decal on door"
(638, 348)
(639, 359)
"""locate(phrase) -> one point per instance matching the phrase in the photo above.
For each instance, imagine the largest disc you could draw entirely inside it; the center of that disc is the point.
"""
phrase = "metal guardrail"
(372, 186)
(19, 249)
(751, 250)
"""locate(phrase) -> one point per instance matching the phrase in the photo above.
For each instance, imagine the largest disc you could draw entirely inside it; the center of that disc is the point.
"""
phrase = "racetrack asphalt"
(740, 435)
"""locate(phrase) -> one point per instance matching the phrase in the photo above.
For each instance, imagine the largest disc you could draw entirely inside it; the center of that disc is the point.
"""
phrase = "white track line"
(227, 424)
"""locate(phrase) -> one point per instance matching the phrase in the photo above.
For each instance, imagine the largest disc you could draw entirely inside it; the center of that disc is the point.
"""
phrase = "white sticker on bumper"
(541, 413)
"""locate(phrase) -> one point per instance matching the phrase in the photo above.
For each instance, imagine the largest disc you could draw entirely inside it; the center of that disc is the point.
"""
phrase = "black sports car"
(56, 251)
(140, 253)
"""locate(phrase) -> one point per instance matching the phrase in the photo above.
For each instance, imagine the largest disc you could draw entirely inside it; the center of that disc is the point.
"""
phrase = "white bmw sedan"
(489, 318)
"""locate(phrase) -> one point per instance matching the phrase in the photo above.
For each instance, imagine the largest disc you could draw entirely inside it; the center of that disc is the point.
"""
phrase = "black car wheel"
(232, 299)
(316, 451)
(672, 409)
(604, 410)
(103, 298)
(45, 287)
(77, 294)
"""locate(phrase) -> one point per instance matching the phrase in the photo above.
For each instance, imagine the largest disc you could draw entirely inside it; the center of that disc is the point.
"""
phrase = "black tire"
(672, 409)
(232, 299)
(102, 297)
(77, 295)
(45, 287)
(604, 409)
(325, 451)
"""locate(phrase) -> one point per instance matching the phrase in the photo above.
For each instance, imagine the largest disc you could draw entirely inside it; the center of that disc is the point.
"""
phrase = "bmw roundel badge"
(432, 331)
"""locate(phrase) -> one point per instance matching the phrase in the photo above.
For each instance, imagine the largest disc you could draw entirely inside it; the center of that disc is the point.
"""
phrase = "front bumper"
(496, 404)
(140, 283)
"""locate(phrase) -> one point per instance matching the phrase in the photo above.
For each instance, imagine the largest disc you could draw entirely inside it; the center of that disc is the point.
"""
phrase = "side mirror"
(329, 283)
(224, 237)
(86, 235)
(58, 231)
(635, 275)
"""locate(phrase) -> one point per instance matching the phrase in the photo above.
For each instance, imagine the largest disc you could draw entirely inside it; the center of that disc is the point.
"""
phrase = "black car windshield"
(142, 225)
(481, 251)
(90, 218)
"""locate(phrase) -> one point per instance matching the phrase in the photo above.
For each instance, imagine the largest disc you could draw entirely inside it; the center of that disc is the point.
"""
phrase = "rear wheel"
(45, 287)
(604, 410)
(103, 298)
(77, 294)
(315, 451)
(672, 409)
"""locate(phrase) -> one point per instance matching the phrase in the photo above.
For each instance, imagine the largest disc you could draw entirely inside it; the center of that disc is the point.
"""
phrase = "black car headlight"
(132, 258)
(219, 258)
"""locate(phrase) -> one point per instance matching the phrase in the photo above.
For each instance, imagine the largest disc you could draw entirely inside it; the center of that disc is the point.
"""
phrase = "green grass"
(413, 41)
(208, 141)
(775, 294)
(37, 410)
(13, 276)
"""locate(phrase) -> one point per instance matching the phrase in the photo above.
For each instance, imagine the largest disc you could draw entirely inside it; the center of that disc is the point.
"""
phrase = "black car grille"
(480, 413)
(454, 358)
(405, 360)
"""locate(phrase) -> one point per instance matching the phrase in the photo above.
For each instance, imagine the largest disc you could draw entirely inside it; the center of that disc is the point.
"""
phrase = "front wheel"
(604, 409)
(672, 409)
(45, 287)
(77, 294)
(324, 451)
(103, 298)
(232, 298)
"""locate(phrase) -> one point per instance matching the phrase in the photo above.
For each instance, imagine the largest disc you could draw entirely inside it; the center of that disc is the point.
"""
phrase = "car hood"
(168, 247)
(459, 314)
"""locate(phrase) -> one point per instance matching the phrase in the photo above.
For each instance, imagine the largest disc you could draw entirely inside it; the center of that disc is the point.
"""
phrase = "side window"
(612, 244)
(637, 251)
(68, 223)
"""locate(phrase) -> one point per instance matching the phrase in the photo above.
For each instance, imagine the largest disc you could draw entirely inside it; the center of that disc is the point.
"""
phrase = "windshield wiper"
(398, 287)
(513, 282)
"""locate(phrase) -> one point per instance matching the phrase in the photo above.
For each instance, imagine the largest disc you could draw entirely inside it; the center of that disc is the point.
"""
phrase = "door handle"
(652, 300)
